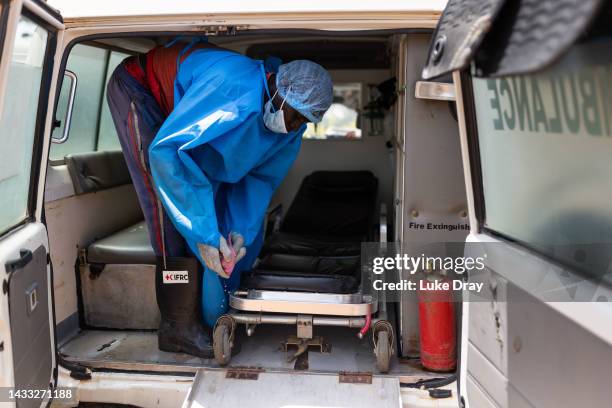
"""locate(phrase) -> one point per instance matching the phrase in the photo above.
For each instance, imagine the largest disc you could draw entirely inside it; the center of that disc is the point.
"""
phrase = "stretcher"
(309, 271)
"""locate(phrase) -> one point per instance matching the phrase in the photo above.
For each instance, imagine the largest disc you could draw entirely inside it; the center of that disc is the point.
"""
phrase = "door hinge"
(246, 373)
(355, 378)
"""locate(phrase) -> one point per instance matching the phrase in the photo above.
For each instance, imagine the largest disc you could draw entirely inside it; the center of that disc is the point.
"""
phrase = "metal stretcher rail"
(297, 302)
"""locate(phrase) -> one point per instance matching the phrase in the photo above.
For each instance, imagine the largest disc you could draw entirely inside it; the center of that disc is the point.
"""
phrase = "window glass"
(89, 65)
(340, 121)
(546, 156)
(18, 120)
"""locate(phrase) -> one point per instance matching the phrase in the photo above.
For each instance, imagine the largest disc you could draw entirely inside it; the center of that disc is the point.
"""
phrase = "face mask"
(274, 120)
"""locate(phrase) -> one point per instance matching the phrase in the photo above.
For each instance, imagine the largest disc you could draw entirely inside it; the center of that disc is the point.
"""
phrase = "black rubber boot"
(181, 329)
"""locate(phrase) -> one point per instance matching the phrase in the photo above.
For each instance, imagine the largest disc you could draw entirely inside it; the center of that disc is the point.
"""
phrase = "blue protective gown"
(214, 163)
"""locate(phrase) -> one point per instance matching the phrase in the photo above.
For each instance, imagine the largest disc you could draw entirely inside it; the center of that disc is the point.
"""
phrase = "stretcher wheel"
(382, 351)
(222, 347)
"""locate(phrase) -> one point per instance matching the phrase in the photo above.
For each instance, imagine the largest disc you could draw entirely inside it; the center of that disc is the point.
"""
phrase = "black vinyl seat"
(318, 245)
(130, 245)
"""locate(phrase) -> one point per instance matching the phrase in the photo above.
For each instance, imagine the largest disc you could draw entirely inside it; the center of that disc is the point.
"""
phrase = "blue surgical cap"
(307, 87)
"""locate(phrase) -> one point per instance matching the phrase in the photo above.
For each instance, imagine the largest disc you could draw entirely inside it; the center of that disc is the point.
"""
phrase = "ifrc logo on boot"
(175, 276)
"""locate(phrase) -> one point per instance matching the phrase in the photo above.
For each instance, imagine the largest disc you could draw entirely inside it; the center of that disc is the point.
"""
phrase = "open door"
(28, 41)
(536, 144)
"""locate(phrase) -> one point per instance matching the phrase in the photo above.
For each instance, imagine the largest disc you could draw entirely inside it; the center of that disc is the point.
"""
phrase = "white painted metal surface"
(78, 8)
(211, 389)
(142, 390)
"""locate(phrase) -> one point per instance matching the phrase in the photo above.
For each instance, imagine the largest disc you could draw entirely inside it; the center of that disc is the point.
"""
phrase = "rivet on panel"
(438, 49)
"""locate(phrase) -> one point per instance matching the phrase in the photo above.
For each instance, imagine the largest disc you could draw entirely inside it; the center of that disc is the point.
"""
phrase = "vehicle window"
(18, 120)
(340, 121)
(91, 128)
(545, 147)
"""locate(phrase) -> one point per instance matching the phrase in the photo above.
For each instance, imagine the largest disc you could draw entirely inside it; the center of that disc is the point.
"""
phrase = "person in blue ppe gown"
(232, 134)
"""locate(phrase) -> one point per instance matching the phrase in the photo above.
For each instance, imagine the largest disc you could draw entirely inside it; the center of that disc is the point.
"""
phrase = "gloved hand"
(223, 259)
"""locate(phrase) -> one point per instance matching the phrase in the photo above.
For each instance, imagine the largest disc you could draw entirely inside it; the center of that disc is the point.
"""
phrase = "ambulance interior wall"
(368, 153)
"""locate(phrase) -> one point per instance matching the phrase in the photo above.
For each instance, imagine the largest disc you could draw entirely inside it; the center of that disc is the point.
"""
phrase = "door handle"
(25, 256)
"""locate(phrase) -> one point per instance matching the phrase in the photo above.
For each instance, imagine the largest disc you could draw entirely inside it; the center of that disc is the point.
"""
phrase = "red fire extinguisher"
(437, 323)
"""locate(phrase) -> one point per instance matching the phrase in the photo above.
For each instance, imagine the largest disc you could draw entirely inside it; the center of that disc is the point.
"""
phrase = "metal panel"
(552, 361)
(137, 351)
(29, 315)
(214, 389)
(120, 297)
(542, 350)
(434, 189)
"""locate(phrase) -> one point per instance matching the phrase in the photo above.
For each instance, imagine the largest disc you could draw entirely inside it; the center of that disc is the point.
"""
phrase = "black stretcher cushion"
(321, 265)
(299, 282)
(286, 243)
(127, 246)
(333, 204)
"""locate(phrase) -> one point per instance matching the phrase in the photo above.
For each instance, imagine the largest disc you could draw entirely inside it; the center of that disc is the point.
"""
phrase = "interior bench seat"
(118, 281)
(127, 246)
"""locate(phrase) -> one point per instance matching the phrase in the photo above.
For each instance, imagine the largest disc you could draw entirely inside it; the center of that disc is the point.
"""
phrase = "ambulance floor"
(137, 350)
